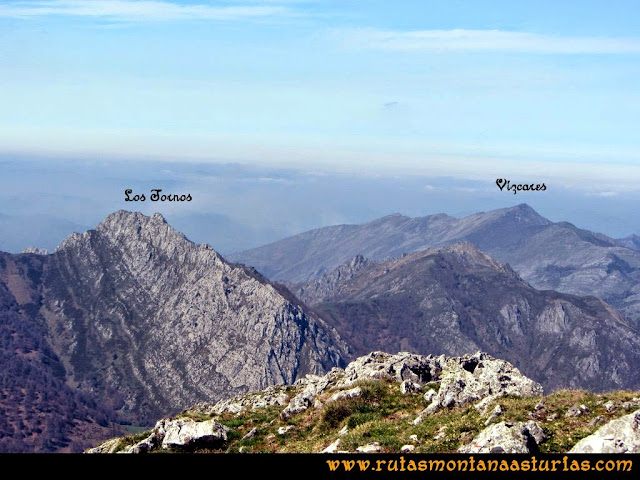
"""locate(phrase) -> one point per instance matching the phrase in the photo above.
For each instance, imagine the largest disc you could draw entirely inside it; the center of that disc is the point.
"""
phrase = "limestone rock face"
(150, 322)
(480, 377)
(618, 436)
(506, 437)
(457, 300)
(463, 380)
(185, 433)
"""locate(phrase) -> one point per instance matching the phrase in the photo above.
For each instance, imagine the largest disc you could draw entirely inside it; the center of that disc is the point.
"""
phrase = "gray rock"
(429, 395)
(407, 448)
(407, 387)
(185, 433)
(333, 448)
(284, 430)
(351, 393)
(472, 378)
(573, 412)
(399, 367)
(108, 446)
(274, 395)
(618, 436)
(314, 385)
(507, 437)
(497, 411)
(250, 434)
(369, 448)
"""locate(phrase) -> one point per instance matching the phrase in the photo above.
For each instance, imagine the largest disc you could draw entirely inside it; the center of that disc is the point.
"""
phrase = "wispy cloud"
(462, 40)
(143, 10)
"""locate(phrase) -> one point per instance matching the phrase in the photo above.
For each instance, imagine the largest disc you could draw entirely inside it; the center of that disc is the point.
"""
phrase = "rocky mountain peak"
(525, 213)
(470, 257)
(155, 321)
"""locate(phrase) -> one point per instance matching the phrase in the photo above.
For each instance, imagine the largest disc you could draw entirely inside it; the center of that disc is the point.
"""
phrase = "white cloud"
(483, 41)
(128, 10)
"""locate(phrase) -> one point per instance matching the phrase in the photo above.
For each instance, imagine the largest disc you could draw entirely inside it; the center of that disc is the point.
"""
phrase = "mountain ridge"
(549, 255)
(147, 320)
(457, 299)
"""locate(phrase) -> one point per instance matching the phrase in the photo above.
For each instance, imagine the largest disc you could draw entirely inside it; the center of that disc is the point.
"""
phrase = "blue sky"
(426, 101)
(458, 87)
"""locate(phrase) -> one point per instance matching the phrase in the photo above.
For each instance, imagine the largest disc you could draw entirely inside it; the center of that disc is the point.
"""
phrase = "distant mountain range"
(548, 255)
(131, 321)
(18, 232)
(456, 299)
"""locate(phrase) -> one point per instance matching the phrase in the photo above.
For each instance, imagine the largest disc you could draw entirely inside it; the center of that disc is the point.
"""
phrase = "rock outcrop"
(507, 437)
(480, 402)
(618, 436)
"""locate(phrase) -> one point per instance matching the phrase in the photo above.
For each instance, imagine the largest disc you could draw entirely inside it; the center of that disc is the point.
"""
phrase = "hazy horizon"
(236, 206)
(287, 115)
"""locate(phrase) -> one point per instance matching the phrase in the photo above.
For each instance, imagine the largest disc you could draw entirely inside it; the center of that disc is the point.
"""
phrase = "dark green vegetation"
(40, 412)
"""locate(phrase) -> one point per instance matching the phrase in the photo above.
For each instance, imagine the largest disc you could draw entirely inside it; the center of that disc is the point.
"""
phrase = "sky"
(467, 91)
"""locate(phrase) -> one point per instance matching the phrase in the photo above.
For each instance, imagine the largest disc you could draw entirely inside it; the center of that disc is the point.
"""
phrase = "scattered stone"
(413, 438)
(596, 421)
(507, 437)
(313, 386)
(552, 417)
(609, 406)
(343, 431)
(618, 436)
(573, 412)
(539, 406)
(352, 393)
(407, 448)
(333, 448)
(428, 396)
(497, 411)
(243, 449)
(370, 448)
(584, 408)
(270, 396)
(252, 433)
(144, 446)
(407, 387)
(284, 430)
(110, 446)
(398, 367)
(628, 406)
(441, 434)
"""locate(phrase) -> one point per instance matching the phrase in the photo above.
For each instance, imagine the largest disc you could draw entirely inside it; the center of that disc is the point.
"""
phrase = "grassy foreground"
(383, 415)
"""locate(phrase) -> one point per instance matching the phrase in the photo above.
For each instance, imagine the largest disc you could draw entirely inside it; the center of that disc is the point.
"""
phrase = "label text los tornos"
(155, 196)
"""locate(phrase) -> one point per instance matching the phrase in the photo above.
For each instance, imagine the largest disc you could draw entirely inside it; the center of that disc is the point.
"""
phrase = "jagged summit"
(150, 320)
(456, 299)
